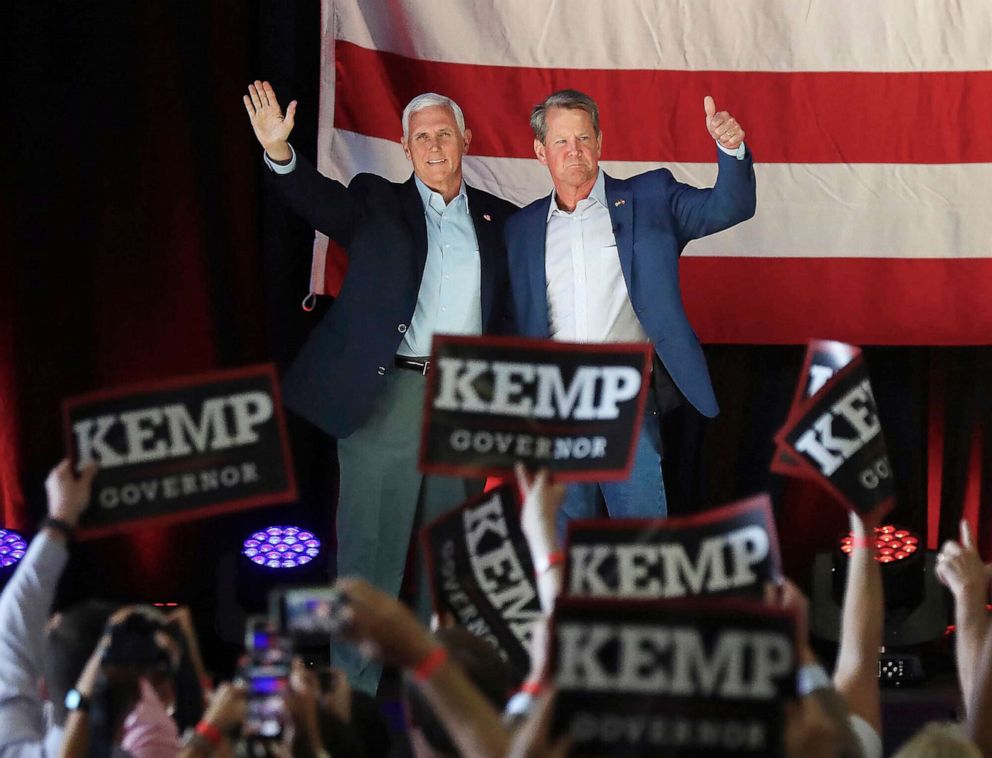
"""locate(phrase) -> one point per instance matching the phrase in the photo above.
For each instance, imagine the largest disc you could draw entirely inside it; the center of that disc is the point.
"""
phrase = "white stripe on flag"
(747, 35)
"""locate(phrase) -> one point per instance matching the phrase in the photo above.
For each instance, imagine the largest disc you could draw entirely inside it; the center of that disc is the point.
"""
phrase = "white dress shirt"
(587, 294)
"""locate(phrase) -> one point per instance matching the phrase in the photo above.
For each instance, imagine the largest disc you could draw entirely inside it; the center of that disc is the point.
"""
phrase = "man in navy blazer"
(424, 256)
(597, 261)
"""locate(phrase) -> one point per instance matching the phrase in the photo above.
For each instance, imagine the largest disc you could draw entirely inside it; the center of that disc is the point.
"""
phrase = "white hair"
(428, 100)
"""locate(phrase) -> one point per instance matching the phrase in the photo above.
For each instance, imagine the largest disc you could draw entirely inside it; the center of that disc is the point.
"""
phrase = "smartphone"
(267, 682)
(309, 615)
(266, 674)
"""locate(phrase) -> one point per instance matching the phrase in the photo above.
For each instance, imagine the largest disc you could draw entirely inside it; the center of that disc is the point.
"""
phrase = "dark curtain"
(137, 242)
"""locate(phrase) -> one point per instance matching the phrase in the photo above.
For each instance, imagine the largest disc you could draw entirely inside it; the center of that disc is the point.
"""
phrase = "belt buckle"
(426, 368)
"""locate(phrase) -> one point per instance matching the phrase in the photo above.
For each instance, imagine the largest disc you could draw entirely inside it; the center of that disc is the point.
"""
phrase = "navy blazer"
(654, 217)
(342, 367)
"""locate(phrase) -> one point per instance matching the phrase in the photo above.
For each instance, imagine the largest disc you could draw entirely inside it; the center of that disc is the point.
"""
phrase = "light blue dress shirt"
(450, 297)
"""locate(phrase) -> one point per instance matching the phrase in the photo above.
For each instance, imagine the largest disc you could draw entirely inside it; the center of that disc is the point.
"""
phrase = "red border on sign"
(262, 369)
(812, 471)
(449, 469)
(761, 502)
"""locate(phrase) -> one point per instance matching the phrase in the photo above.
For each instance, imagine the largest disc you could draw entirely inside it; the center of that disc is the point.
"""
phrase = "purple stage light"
(12, 547)
(280, 547)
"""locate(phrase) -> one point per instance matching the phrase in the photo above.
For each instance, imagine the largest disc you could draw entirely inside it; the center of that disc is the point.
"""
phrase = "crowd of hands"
(384, 629)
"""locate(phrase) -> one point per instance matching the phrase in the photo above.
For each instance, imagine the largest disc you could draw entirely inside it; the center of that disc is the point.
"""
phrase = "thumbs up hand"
(722, 126)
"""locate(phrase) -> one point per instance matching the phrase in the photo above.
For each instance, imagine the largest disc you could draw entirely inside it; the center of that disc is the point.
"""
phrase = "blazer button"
(381, 370)
(401, 328)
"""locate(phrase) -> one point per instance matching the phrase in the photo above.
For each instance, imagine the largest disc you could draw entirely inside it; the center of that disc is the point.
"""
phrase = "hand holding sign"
(181, 448)
(69, 496)
(482, 574)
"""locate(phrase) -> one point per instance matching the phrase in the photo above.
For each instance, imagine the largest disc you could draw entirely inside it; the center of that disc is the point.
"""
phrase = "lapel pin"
(618, 203)
(487, 217)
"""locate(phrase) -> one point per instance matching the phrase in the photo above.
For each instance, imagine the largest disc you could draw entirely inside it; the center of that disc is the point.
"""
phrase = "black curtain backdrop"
(137, 243)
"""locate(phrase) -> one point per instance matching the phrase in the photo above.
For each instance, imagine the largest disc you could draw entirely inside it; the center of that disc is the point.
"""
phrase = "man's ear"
(539, 152)
(467, 137)
(599, 142)
(406, 149)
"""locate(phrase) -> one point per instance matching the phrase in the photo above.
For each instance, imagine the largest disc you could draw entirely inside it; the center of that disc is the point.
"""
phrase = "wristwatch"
(76, 701)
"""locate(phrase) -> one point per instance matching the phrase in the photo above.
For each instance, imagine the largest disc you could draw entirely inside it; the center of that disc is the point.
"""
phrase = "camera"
(265, 672)
(143, 645)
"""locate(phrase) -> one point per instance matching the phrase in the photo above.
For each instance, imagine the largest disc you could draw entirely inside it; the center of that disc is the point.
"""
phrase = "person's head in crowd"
(71, 637)
(482, 665)
(940, 740)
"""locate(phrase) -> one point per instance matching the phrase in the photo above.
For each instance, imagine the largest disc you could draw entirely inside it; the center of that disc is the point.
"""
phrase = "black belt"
(420, 365)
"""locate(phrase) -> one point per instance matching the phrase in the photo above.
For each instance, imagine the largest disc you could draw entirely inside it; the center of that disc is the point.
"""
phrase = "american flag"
(866, 121)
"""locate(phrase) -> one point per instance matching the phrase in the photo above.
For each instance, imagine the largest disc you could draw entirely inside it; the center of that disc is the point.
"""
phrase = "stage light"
(281, 547)
(892, 544)
(916, 607)
(12, 547)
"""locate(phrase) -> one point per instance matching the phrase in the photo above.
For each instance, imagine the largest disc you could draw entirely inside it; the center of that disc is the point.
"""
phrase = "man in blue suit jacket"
(424, 256)
(597, 261)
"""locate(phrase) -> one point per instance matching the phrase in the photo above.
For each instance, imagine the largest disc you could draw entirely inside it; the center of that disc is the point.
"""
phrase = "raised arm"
(538, 521)
(961, 569)
(732, 199)
(384, 628)
(324, 203)
(979, 707)
(25, 604)
(862, 619)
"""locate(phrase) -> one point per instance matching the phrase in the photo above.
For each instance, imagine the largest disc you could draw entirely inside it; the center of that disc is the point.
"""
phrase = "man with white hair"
(425, 256)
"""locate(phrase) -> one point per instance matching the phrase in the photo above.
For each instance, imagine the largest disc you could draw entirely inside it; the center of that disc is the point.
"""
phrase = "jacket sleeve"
(24, 608)
(325, 204)
(700, 212)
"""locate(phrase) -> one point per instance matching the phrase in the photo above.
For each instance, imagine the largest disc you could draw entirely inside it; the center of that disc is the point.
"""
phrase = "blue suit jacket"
(342, 367)
(653, 218)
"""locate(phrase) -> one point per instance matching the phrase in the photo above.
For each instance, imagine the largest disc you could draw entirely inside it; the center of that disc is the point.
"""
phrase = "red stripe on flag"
(791, 117)
(872, 301)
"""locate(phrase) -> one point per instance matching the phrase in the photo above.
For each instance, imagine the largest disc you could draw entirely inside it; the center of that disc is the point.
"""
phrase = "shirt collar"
(598, 194)
(426, 194)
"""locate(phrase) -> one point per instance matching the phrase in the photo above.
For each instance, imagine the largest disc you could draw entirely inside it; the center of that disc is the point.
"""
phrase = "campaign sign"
(837, 438)
(731, 550)
(181, 448)
(575, 409)
(482, 574)
(675, 677)
(823, 359)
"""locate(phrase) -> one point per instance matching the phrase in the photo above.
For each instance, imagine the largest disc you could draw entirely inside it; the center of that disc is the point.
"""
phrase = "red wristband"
(429, 664)
(556, 558)
(532, 688)
(860, 540)
(210, 733)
